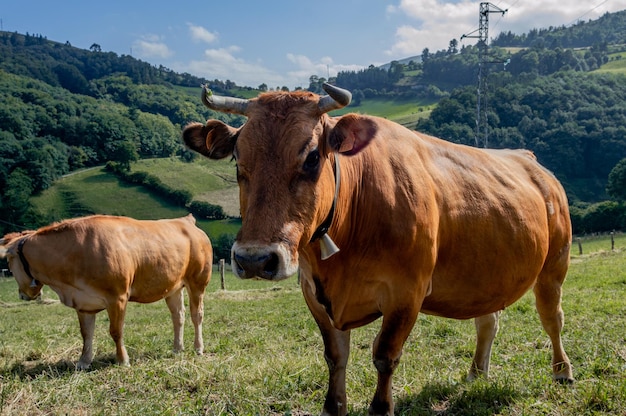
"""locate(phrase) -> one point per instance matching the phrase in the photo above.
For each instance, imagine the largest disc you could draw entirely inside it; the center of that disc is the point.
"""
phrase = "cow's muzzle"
(24, 296)
(272, 262)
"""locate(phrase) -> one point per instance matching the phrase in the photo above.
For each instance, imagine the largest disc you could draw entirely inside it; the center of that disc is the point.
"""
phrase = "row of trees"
(60, 64)
(452, 68)
(608, 29)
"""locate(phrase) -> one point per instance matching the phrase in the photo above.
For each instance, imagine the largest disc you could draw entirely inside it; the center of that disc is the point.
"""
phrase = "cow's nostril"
(271, 265)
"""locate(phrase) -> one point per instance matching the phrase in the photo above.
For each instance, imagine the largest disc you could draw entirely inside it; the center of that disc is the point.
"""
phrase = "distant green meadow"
(616, 64)
(97, 191)
(264, 355)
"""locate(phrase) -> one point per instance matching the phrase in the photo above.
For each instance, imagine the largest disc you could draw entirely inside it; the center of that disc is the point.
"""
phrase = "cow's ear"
(214, 140)
(351, 134)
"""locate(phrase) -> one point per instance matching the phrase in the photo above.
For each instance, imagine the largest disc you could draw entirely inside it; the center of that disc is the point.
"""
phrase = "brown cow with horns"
(420, 224)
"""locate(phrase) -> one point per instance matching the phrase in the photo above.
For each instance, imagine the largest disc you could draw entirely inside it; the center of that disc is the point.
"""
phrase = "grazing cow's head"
(284, 169)
(11, 246)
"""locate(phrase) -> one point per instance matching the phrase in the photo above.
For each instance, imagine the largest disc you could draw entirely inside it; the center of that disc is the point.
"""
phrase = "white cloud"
(198, 33)
(305, 67)
(151, 46)
(437, 22)
(223, 64)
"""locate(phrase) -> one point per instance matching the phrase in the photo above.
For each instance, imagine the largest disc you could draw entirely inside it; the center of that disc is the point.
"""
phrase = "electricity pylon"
(482, 123)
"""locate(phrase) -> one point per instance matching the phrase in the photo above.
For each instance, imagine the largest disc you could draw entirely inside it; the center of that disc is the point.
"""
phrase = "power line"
(586, 13)
(14, 225)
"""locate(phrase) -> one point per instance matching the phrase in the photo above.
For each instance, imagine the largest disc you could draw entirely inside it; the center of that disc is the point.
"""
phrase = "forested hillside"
(64, 108)
(547, 96)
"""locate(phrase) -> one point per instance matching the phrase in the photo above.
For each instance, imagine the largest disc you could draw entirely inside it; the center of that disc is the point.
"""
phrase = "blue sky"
(282, 42)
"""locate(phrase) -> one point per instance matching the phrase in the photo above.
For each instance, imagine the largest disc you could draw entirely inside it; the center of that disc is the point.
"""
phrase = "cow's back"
(120, 255)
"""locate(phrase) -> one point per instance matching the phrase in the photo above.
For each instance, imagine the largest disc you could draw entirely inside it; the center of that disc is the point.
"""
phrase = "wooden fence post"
(580, 247)
(612, 241)
(221, 268)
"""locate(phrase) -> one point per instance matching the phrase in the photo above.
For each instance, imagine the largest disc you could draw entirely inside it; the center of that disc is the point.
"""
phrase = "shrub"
(202, 209)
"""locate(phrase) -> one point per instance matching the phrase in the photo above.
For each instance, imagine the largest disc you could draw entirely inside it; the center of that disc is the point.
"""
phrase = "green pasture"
(95, 191)
(616, 64)
(405, 112)
(264, 355)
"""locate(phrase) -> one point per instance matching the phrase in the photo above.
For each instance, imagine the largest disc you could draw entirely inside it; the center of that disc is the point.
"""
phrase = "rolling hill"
(96, 191)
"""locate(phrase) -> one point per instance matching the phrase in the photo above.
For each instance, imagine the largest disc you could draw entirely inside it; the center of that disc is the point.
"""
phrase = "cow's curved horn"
(223, 104)
(336, 98)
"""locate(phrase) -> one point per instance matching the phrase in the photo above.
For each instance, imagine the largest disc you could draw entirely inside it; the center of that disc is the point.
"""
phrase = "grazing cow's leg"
(486, 330)
(176, 303)
(196, 307)
(336, 352)
(548, 302)
(387, 350)
(87, 323)
(117, 312)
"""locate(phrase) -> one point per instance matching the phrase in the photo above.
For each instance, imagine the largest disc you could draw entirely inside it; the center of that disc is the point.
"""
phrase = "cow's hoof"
(83, 366)
(565, 380)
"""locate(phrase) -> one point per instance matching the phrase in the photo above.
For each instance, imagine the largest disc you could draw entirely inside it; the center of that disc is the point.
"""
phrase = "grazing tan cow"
(420, 224)
(103, 262)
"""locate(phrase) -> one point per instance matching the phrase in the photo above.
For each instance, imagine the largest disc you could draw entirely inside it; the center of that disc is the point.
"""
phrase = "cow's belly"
(81, 300)
(472, 299)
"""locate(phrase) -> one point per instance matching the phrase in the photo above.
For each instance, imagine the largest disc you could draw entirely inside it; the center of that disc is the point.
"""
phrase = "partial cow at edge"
(103, 262)
(387, 222)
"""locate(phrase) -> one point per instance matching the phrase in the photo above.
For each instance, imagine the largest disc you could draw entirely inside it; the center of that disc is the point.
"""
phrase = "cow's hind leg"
(548, 301)
(87, 323)
(176, 304)
(486, 330)
(196, 308)
(117, 312)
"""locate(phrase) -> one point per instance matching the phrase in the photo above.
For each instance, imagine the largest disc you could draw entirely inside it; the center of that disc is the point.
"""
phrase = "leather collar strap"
(20, 252)
(323, 228)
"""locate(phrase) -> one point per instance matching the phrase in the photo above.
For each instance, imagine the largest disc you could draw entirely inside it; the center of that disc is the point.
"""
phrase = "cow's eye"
(312, 163)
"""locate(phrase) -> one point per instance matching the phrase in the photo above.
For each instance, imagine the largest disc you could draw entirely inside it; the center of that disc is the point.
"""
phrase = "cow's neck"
(327, 245)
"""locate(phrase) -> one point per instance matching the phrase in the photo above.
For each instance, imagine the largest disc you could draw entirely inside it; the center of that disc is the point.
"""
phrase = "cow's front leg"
(486, 330)
(87, 323)
(336, 352)
(117, 312)
(386, 354)
(176, 304)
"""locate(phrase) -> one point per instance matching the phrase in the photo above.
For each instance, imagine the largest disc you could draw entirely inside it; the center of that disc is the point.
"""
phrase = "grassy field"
(405, 112)
(263, 355)
(97, 191)
(616, 64)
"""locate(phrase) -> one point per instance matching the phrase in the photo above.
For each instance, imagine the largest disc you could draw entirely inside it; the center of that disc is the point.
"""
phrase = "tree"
(222, 246)
(123, 152)
(616, 186)
(15, 201)
(453, 47)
